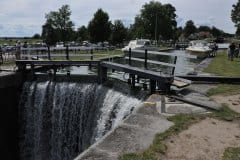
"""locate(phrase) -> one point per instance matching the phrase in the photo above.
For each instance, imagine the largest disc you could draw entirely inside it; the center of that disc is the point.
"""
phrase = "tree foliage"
(36, 36)
(216, 32)
(155, 21)
(58, 26)
(119, 32)
(235, 16)
(204, 29)
(82, 33)
(99, 27)
(189, 28)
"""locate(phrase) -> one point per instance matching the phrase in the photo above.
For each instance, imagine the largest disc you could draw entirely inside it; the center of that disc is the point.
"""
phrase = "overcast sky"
(25, 17)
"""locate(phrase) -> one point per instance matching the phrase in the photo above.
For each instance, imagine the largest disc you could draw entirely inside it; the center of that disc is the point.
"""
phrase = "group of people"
(17, 50)
(233, 51)
(214, 48)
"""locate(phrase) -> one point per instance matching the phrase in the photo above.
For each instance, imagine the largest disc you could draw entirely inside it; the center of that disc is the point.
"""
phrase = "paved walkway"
(136, 132)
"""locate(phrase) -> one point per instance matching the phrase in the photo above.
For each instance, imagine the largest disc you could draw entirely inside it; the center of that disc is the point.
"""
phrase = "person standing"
(18, 50)
(232, 48)
(215, 49)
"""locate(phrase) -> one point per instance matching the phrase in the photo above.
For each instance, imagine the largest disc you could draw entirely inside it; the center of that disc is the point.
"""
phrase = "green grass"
(226, 114)
(226, 89)
(12, 41)
(220, 65)
(98, 54)
(231, 154)
(181, 122)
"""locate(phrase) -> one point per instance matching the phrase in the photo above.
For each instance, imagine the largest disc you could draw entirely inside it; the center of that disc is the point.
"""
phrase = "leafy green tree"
(216, 32)
(179, 32)
(137, 29)
(119, 32)
(235, 16)
(82, 33)
(99, 27)
(156, 20)
(189, 28)
(204, 29)
(36, 36)
(58, 26)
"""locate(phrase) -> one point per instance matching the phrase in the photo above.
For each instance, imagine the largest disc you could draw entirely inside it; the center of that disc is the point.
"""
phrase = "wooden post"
(32, 71)
(145, 60)
(54, 72)
(152, 86)
(21, 67)
(49, 55)
(91, 54)
(102, 74)
(129, 55)
(133, 80)
(90, 65)
(67, 52)
(175, 61)
(138, 79)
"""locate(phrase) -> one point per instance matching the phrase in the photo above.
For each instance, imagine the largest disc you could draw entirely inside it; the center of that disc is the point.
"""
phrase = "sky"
(22, 18)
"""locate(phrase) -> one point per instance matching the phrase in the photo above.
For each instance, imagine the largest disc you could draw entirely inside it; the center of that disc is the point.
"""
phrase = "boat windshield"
(143, 42)
(199, 44)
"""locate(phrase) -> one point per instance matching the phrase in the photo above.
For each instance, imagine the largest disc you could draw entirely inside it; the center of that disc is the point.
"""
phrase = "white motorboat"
(137, 44)
(199, 47)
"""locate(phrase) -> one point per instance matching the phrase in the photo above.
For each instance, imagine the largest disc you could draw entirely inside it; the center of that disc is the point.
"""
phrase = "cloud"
(10, 30)
(25, 17)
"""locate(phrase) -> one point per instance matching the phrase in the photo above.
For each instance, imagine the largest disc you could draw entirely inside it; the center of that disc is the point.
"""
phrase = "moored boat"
(199, 47)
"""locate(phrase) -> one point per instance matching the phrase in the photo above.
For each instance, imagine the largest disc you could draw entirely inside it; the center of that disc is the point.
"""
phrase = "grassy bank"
(158, 147)
(96, 55)
(181, 122)
(221, 66)
(231, 154)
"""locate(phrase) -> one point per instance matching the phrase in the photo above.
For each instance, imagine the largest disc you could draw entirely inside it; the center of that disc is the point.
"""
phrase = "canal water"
(58, 120)
(184, 65)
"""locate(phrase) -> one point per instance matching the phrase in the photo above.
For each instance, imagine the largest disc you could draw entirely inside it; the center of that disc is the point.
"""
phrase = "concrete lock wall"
(10, 86)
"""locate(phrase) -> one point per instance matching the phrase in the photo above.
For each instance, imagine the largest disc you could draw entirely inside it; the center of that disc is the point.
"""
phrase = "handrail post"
(129, 55)
(49, 55)
(145, 60)
(90, 65)
(175, 61)
(91, 54)
(67, 52)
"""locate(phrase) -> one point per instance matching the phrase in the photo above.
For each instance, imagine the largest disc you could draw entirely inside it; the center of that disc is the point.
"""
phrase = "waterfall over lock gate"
(58, 120)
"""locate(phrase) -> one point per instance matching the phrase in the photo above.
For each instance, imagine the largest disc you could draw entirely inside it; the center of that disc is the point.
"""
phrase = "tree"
(58, 26)
(119, 32)
(99, 27)
(137, 29)
(216, 32)
(189, 28)
(155, 21)
(179, 32)
(204, 29)
(36, 36)
(235, 16)
(82, 33)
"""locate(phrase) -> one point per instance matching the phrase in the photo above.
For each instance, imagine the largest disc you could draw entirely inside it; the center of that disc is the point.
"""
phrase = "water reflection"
(183, 65)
